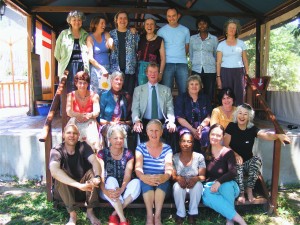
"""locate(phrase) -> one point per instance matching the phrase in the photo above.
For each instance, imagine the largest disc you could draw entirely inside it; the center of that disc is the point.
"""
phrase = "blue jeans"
(180, 72)
(223, 200)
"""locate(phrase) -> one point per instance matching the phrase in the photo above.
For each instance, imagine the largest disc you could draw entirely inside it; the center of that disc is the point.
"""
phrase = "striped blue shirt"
(153, 165)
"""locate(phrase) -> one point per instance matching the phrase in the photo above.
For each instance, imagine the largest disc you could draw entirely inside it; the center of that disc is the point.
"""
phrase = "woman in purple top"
(99, 44)
(192, 111)
(117, 185)
(151, 49)
(221, 190)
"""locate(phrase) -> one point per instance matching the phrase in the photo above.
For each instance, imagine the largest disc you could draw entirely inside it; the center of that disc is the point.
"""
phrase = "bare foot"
(91, 216)
(250, 194)
(157, 220)
(241, 198)
(149, 220)
(73, 218)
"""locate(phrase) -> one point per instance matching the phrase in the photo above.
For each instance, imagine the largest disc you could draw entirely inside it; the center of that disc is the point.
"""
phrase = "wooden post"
(48, 147)
(257, 47)
(275, 174)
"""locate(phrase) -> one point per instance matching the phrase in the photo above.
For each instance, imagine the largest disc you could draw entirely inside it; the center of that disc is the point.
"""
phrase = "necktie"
(154, 108)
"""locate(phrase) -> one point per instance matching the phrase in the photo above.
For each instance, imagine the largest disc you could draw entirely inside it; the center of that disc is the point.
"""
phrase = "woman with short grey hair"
(115, 106)
(71, 51)
(117, 185)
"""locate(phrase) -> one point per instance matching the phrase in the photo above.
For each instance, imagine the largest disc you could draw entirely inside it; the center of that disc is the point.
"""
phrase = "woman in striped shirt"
(154, 168)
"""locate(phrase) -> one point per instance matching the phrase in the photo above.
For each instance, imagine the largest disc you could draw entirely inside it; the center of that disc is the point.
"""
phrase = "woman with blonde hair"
(154, 168)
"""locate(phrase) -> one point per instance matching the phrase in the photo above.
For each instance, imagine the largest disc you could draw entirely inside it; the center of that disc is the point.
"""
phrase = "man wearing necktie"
(153, 101)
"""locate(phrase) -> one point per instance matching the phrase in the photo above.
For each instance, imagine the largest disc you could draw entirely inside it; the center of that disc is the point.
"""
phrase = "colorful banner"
(43, 48)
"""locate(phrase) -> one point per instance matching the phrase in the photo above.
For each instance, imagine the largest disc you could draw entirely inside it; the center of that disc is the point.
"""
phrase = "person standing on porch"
(176, 38)
(71, 51)
(203, 51)
(123, 57)
(232, 62)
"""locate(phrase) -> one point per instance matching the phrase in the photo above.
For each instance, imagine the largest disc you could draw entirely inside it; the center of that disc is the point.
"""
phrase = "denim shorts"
(164, 187)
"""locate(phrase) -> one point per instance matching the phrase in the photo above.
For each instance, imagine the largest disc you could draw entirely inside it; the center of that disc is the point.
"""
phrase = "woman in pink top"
(83, 108)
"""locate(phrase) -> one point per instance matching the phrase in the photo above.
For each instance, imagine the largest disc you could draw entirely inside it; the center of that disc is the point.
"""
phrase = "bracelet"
(97, 176)
(218, 76)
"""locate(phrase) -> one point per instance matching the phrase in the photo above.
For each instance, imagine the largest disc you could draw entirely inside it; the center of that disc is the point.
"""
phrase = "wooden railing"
(13, 94)
(46, 137)
(277, 144)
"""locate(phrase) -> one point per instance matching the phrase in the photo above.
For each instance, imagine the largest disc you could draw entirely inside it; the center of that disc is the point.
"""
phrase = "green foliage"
(284, 58)
(33, 208)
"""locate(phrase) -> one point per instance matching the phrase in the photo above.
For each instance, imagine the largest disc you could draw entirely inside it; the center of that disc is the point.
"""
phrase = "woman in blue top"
(115, 105)
(203, 51)
(99, 44)
(232, 62)
(154, 168)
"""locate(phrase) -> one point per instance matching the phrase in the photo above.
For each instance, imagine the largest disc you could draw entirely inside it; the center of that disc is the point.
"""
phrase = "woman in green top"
(71, 51)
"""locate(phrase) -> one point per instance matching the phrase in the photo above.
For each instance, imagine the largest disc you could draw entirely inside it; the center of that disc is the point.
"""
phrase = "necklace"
(149, 39)
(81, 98)
(116, 155)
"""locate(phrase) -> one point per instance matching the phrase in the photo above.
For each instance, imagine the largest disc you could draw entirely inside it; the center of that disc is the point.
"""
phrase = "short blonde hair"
(154, 121)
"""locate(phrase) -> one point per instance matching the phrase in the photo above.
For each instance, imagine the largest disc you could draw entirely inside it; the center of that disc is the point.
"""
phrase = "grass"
(33, 208)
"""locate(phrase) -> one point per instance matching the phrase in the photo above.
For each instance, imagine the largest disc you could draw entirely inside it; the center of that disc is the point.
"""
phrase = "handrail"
(277, 145)
(46, 134)
(53, 108)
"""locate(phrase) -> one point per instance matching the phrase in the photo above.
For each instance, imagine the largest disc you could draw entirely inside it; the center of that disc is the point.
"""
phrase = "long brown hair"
(208, 152)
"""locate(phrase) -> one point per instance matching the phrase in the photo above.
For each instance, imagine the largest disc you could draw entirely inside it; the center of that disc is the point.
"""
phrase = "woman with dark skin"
(203, 51)
(188, 173)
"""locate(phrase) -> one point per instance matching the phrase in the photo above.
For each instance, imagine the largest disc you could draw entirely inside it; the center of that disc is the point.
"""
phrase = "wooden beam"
(282, 9)
(241, 6)
(60, 9)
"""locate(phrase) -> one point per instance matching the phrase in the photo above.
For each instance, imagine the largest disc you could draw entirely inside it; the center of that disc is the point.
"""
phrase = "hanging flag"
(44, 48)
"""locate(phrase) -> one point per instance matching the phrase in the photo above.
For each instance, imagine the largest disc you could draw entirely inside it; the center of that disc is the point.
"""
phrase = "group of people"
(199, 150)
